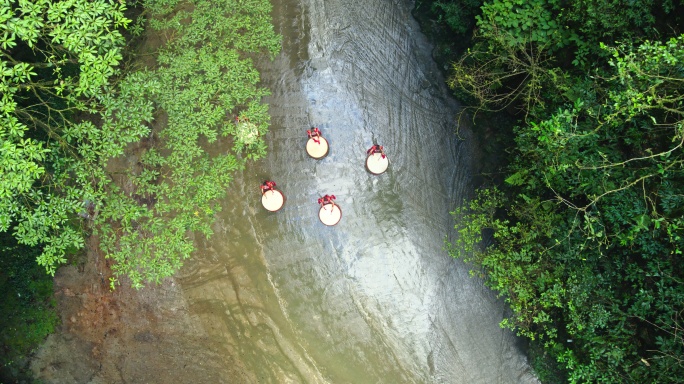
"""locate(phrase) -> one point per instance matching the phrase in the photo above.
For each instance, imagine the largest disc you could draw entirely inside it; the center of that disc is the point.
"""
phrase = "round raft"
(273, 200)
(317, 150)
(376, 164)
(330, 214)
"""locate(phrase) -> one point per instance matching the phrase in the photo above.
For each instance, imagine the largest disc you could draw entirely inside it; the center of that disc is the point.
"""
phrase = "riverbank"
(492, 132)
(127, 335)
(585, 201)
(111, 332)
(449, 28)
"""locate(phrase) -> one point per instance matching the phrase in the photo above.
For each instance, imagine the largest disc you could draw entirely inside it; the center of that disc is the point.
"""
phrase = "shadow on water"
(375, 298)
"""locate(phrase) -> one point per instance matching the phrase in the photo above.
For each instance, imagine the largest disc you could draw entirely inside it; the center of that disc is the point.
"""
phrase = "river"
(376, 298)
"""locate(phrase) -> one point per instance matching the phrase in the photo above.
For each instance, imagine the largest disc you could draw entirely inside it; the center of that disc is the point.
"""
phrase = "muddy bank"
(127, 336)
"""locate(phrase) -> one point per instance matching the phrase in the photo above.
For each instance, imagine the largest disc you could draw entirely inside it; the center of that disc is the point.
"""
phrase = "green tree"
(584, 237)
(57, 60)
(522, 48)
(70, 117)
(206, 87)
(586, 243)
(458, 15)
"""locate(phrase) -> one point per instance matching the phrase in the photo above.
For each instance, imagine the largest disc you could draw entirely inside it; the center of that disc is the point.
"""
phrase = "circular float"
(330, 214)
(376, 163)
(272, 200)
(317, 150)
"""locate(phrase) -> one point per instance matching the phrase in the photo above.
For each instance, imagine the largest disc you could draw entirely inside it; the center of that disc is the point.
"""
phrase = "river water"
(375, 299)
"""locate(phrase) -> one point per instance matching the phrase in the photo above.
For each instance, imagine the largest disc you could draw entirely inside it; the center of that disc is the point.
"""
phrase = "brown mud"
(126, 336)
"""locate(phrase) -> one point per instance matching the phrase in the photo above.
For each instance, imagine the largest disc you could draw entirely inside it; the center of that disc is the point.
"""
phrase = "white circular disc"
(317, 150)
(376, 164)
(330, 214)
(272, 200)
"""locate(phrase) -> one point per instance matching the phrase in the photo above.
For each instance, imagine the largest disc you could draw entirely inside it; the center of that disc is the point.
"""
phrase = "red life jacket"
(267, 186)
(314, 135)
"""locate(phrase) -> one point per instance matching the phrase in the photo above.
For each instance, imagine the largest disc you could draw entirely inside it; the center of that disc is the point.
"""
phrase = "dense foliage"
(205, 88)
(70, 116)
(27, 307)
(585, 237)
(449, 24)
(458, 16)
(57, 59)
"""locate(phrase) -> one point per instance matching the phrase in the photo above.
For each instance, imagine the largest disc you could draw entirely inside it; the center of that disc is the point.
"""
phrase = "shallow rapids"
(376, 298)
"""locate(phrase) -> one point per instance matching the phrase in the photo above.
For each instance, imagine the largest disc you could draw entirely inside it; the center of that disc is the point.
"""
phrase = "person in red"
(376, 149)
(327, 199)
(314, 134)
(268, 185)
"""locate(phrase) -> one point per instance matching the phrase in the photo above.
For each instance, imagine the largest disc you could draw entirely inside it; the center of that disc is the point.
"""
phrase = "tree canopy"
(584, 239)
(85, 139)
(57, 61)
